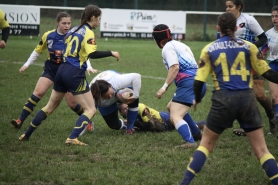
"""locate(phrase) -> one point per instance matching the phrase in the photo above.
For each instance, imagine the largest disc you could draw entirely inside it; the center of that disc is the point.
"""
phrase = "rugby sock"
(80, 125)
(78, 110)
(270, 167)
(195, 165)
(131, 117)
(276, 111)
(29, 107)
(184, 131)
(191, 123)
(38, 119)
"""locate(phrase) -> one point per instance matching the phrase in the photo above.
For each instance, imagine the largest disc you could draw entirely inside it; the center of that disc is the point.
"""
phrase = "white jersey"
(272, 45)
(175, 52)
(248, 28)
(119, 81)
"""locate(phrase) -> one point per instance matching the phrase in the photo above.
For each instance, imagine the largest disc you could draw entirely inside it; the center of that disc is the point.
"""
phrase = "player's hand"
(23, 68)
(116, 55)
(91, 70)
(130, 100)
(130, 131)
(261, 55)
(2, 44)
(160, 93)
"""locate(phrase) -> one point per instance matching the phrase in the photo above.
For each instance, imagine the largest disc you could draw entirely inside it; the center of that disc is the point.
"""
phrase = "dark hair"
(275, 8)
(238, 3)
(161, 34)
(99, 88)
(87, 14)
(120, 109)
(227, 24)
(61, 15)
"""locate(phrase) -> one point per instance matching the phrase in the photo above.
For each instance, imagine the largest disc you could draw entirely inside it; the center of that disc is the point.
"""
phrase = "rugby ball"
(123, 94)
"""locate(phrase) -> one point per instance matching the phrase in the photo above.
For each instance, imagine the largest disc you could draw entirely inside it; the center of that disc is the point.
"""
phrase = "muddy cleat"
(16, 123)
(273, 126)
(187, 145)
(91, 126)
(74, 142)
(23, 137)
(239, 132)
(198, 136)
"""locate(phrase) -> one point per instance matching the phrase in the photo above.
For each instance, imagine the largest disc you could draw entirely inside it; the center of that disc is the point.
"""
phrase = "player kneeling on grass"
(230, 61)
(104, 88)
(149, 119)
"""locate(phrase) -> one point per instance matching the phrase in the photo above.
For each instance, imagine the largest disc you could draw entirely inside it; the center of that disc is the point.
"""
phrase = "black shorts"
(228, 106)
(50, 70)
(71, 79)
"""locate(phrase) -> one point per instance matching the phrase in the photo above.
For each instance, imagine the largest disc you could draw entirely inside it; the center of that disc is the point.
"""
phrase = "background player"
(233, 98)
(248, 29)
(5, 27)
(181, 65)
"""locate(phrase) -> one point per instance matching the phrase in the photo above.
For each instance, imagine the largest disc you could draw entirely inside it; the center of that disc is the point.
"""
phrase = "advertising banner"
(123, 23)
(23, 20)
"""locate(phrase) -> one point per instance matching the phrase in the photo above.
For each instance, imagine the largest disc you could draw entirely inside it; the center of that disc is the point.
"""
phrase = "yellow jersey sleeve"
(204, 64)
(43, 43)
(3, 20)
(89, 44)
(260, 66)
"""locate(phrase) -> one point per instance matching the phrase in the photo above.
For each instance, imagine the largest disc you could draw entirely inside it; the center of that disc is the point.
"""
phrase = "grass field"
(112, 157)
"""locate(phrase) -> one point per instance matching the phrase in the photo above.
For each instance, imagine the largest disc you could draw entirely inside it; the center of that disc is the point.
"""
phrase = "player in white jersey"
(248, 29)
(272, 47)
(181, 65)
(104, 88)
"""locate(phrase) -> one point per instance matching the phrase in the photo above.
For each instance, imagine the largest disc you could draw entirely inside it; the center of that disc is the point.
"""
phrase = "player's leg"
(41, 88)
(274, 95)
(177, 112)
(268, 162)
(86, 101)
(264, 100)
(199, 157)
(53, 103)
(72, 104)
(111, 117)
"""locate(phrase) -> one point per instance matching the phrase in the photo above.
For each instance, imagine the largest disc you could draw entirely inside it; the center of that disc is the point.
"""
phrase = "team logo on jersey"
(241, 25)
(201, 63)
(91, 41)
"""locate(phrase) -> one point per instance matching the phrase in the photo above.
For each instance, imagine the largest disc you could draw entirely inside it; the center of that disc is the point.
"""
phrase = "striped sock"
(195, 165)
(270, 167)
(78, 110)
(38, 119)
(28, 107)
(80, 125)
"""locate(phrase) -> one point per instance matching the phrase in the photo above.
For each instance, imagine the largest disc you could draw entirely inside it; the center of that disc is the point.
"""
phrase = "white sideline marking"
(151, 77)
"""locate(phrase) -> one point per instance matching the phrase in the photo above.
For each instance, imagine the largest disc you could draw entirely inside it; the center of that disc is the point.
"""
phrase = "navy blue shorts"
(274, 65)
(228, 106)
(50, 70)
(184, 93)
(71, 79)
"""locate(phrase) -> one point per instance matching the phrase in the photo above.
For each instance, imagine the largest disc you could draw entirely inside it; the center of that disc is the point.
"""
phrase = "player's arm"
(204, 69)
(5, 34)
(262, 40)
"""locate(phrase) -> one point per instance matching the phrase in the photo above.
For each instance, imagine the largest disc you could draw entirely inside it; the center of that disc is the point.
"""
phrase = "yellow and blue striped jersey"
(79, 45)
(230, 64)
(3, 20)
(54, 42)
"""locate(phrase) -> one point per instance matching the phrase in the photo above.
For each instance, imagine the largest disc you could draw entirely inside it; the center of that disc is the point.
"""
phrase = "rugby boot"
(16, 123)
(74, 142)
(23, 137)
(273, 125)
